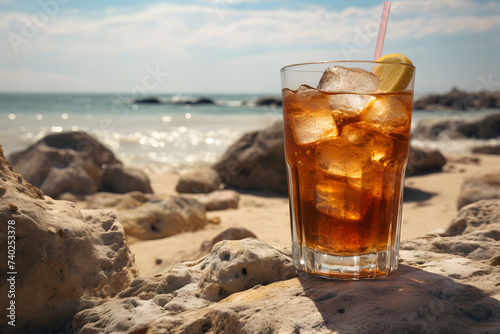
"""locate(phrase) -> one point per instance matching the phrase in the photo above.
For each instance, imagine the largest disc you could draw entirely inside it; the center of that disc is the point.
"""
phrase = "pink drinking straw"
(381, 30)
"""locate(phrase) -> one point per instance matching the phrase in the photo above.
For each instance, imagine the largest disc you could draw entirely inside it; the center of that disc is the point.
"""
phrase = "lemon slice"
(394, 78)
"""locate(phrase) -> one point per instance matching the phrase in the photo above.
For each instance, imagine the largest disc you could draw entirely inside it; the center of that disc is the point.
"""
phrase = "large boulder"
(484, 184)
(117, 178)
(256, 161)
(57, 254)
(75, 162)
(445, 284)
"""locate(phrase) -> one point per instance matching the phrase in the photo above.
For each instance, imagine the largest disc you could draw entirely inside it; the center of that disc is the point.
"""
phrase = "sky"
(236, 46)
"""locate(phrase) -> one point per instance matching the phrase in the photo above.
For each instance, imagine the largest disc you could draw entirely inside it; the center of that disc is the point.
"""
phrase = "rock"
(459, 100)
(151, 100)
(61, 254)
(444, 284)
(488, 126)
(437, 129)
(484, 184)
(488, 149)
(147, 217)
(231, 267)
(202, 100)
(269, 101)
(256, 161)
(424, 160)
(155, 100)
(14, 181)
(119, 179)
(479, 216)
(73, 162)
(202, 180)
(220, 200)
(483, 127)
(472, 235)
(189, 101)
(159, 218)
(233, 233)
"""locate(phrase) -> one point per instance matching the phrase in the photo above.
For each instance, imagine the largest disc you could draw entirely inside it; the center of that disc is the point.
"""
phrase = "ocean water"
(160, 137)
(155, 137)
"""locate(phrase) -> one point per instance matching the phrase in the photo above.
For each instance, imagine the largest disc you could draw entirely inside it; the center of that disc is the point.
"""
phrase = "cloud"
(84, 45)
(422, 18)
(185, 29)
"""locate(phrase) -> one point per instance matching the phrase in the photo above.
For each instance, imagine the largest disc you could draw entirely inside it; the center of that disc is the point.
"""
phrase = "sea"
(162, 137)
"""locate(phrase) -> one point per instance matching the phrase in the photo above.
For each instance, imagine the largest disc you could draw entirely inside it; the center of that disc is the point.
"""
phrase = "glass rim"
(343, 62)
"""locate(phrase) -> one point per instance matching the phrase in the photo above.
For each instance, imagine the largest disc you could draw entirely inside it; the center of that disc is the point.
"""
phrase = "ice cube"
(338, 79)
(353, 80)
(308, 127)
(337, 157)
(339, 200)
(310, 118)
(359, 135)
(354, 155)
(389, 114)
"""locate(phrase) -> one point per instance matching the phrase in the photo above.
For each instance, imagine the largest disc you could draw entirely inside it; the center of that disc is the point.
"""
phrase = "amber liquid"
(345, 170)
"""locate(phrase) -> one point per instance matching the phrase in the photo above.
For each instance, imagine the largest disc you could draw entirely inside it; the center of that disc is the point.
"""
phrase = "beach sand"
(429, 204)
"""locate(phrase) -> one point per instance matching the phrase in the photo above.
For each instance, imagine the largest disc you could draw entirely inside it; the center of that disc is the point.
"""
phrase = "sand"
(429, 204)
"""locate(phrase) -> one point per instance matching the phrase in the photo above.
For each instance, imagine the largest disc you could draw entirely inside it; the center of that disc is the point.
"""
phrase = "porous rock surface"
(445, 283)
(75, 162)
(148, 216)
(61, 254)
(232, 233)
(231, 267)
(484, 184)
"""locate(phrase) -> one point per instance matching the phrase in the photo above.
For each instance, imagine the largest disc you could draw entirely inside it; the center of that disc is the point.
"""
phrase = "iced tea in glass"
(346, 148)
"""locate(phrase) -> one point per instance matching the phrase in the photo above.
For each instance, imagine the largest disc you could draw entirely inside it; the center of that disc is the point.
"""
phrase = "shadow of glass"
(416, 195)
(410, 300)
